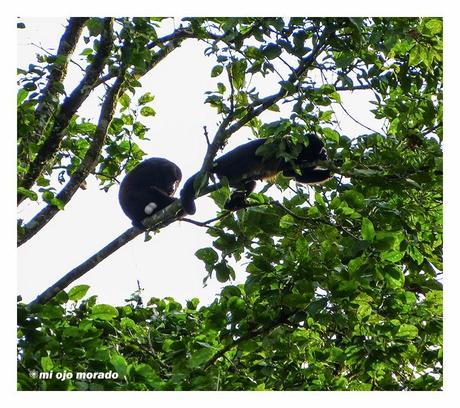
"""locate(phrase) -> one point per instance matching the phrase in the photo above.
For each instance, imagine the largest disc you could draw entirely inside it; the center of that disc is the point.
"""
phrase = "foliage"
(344, 284)
(247, 339)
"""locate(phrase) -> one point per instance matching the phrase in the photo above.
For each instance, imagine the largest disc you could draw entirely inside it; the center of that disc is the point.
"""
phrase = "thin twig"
(205, 129)
(357, 121)
(232, 90)
(202, 224)
(50, 53)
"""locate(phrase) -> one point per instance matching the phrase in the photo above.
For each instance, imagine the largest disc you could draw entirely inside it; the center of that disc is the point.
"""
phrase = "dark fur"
(153, 180)
(242, 166)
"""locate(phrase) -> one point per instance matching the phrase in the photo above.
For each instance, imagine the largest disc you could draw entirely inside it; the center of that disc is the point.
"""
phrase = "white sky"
(61, 245)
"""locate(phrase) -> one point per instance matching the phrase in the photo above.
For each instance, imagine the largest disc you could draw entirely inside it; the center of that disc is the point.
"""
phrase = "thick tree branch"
(89, 264)
(155, 222)
(48, 212)
(49, 101)
(87, 165)
(68, 109)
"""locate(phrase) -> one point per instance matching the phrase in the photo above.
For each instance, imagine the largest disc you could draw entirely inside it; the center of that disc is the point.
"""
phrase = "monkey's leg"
(238, 197)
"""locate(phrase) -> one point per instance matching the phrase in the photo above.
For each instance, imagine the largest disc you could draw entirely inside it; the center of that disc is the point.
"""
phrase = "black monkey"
(242, 166)
(148, 188)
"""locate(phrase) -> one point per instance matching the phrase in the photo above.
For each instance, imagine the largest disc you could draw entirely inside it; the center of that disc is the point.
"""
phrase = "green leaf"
(238, 69)
(288, 86)
(391, 256)
(287, 221)
(22, 95)
(415, 254)
(253, 52)
(104, 312)
(146, 98)
(331, 134)
(394, 277)
(364, 310)
(358, 22)
(434, 25)
(325, 116)
(355, 264)
(367, 229)
(407, 331)
(124, 100)
(209, 256)
(95, 26)
(223, 272)
(272, 51)
(317, 306)
(58, 203)
(87, 51)
(78, 292)
(147, 373)
(295, 300)
(216, 71)
(28, 193)
(415, 55)
(221, 88)
(120, 364)
(200, 357)
(344, 59)
(148, 111)
(52, 312)
(46, 364)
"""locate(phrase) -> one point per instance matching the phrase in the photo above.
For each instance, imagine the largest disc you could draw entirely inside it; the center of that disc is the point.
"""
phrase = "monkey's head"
(314, 151)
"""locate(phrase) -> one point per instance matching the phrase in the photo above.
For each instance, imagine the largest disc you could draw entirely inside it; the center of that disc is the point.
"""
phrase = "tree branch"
(49, 101)
(68, 109)
(89, 264)
(87, 165)
(90, 161)
(156, 221)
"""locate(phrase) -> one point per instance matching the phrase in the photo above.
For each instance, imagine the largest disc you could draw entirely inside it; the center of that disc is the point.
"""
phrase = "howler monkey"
(243, 165)
(148, 188)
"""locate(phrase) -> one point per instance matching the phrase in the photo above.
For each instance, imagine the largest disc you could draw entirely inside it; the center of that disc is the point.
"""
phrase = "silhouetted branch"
(86, 266)
(68, 109)
(49, 101)
(87, 165)
(155, 222)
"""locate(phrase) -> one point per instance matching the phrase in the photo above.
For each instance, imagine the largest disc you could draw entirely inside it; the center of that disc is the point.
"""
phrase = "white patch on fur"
(150, 208)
